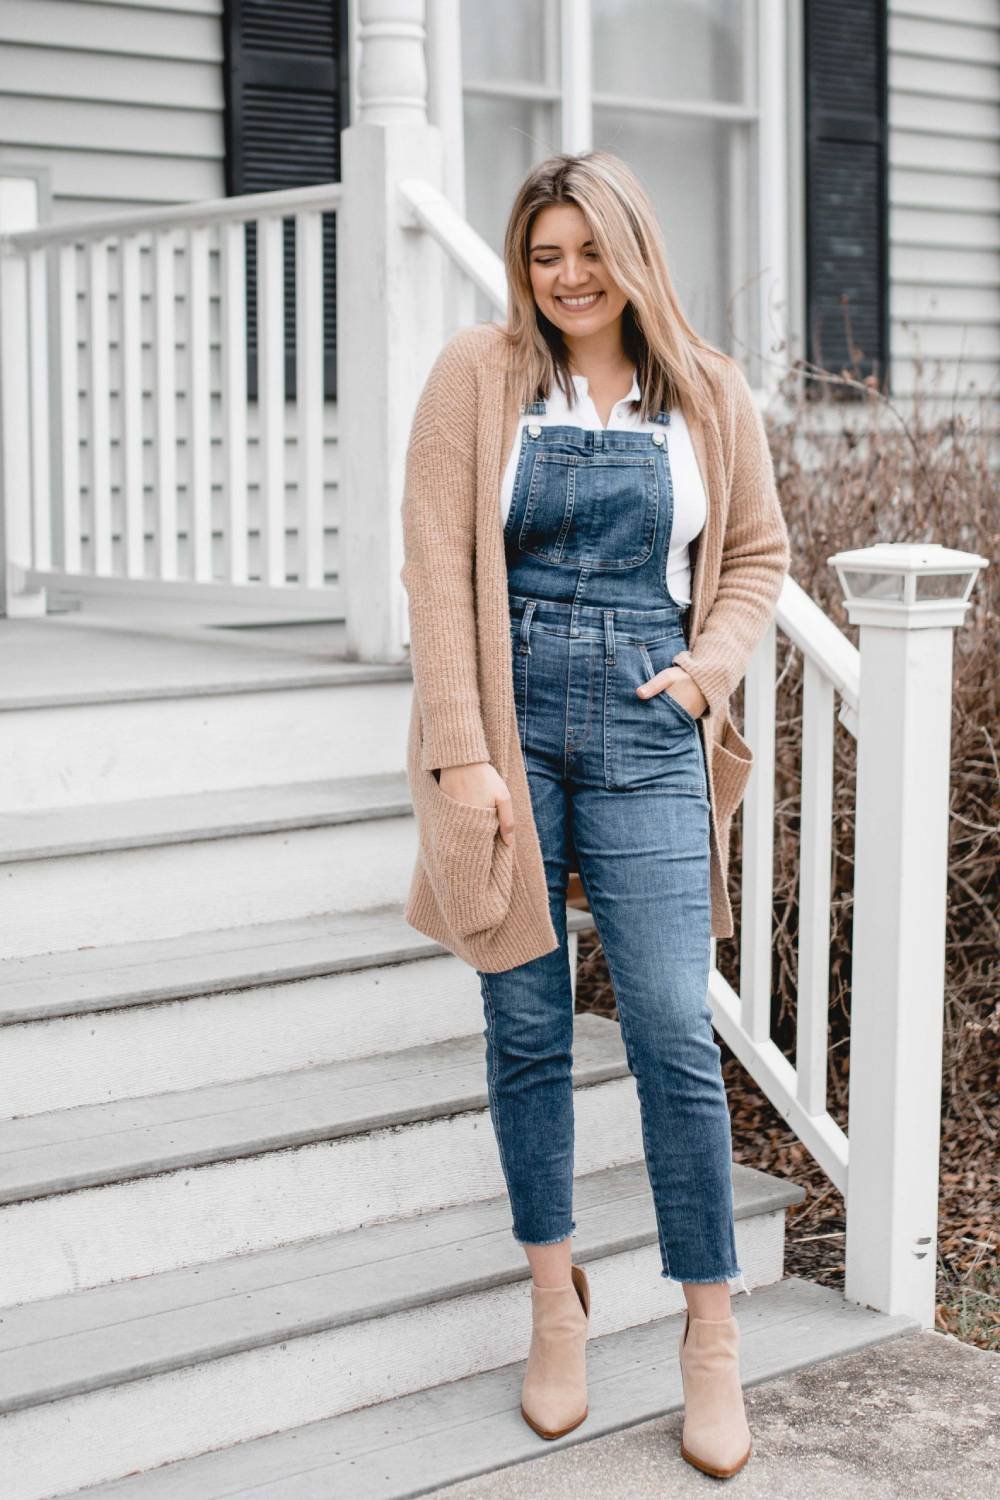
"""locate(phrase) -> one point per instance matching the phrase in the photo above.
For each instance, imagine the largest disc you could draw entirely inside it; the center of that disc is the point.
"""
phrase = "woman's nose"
(575, 274)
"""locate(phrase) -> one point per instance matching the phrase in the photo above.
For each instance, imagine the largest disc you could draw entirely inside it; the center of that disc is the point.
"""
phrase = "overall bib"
(619, 793)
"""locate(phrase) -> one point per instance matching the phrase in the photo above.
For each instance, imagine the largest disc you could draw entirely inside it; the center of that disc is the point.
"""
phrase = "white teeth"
(580, 301)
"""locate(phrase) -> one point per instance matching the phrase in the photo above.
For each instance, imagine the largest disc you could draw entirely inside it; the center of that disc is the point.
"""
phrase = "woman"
(593, 547)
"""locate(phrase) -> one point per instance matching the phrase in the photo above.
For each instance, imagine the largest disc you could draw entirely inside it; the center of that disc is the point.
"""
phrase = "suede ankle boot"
(716, 1437)
(554, 1392)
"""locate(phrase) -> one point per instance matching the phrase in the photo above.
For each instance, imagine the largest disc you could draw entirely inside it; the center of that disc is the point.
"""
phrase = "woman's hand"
(680, 685)
(481, 784)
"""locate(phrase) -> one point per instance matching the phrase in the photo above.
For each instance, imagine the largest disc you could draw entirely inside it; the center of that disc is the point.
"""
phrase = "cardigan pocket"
(732, 762)
(469, 865)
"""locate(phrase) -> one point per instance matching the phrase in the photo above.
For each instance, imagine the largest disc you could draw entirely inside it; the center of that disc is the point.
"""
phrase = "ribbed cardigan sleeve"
(439, 534)
(755, 557)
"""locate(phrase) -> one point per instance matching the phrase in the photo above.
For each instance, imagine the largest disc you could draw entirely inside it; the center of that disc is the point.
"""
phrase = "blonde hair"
(670, 357)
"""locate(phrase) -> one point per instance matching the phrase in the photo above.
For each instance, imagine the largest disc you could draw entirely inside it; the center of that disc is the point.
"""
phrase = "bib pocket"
(598, 511)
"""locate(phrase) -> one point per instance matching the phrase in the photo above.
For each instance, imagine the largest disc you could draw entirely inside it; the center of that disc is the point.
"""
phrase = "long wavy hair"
(672, 361)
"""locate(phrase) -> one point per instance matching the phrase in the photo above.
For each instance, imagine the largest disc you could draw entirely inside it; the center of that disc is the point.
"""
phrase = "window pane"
(670, 49)
(700, 177)
(504, 138)
(504, 42)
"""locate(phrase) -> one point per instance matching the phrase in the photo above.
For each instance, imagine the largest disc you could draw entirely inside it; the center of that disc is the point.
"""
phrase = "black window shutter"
(846, 185)
(286, 103)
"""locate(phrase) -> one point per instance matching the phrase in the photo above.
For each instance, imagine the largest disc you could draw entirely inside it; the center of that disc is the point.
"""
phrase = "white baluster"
(69, 410)
(133, 509)
(99, 393)
(758, 843)
(199, 396)
(232, 244)
(165, 403)
(309, 392)
(38, 365)
(816, 825)
(271, 396)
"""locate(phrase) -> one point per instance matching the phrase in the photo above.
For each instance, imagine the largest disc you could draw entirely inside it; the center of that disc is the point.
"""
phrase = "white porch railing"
(133, 459)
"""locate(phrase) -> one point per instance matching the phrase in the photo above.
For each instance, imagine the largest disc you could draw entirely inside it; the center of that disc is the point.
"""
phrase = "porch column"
(908, 601)
(389, 316)
(18, 211)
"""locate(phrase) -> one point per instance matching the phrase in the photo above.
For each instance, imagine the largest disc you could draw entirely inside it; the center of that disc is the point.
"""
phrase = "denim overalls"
(619, 793)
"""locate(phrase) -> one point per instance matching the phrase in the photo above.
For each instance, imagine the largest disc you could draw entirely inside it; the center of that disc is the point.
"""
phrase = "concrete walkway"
(918, 1416)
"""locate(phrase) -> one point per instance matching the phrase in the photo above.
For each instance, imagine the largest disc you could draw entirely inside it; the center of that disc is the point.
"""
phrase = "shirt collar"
(582, 385)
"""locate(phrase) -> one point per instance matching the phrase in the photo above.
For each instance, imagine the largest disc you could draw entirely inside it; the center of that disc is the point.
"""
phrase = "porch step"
(146, 1371)
(428, 1439)
(146, 822)
(245, 1166)
(91, 1025)
(198, 711)
(163, 866)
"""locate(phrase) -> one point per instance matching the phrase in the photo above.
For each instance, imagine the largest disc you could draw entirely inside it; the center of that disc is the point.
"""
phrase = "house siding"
(122, 100)
(944, 193)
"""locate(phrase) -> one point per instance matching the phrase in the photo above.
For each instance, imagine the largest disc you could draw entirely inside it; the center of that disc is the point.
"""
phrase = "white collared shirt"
(690, 506)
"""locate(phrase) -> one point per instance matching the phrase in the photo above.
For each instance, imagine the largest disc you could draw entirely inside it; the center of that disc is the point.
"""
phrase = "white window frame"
(771, 102)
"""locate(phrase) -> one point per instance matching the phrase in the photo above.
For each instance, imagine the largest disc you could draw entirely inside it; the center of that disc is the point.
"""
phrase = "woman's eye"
(591, 255)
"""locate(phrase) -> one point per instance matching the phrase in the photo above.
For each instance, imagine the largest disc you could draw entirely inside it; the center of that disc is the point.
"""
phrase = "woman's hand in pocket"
(480, 784)
(678, 684)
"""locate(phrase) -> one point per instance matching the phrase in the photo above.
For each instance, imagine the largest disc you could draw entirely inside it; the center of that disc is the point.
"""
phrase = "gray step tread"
(47, 985)
(432, 1438)
(56, 662)
(91, 1339)
(92, 1145)
(141, 822)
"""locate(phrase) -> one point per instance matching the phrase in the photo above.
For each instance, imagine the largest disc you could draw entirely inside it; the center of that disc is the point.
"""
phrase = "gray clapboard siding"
(944, 191)
(122, 101)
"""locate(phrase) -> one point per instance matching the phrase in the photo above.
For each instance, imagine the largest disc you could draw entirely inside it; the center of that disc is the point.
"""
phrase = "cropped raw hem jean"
(619, 792)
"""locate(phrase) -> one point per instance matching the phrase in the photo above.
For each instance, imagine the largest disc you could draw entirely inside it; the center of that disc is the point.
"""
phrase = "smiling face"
(571, 286)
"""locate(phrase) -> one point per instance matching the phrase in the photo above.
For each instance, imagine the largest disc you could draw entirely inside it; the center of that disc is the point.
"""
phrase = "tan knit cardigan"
(483, 900)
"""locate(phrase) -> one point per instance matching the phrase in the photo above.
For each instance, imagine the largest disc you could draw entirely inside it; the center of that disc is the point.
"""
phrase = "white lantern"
(912, 584)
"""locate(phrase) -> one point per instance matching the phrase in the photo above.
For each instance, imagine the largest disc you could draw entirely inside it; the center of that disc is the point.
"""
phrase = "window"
(672, 88)
(286, 104)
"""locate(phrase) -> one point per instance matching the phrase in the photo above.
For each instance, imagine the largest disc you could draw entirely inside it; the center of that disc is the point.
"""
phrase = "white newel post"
(18, 211)
(908, 601)
(389, 315)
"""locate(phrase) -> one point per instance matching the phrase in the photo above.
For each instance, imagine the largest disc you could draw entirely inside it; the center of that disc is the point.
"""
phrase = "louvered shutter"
(846, 183)
(286, 71)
